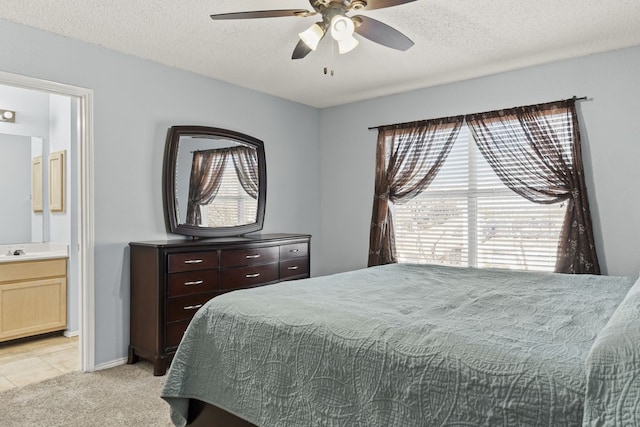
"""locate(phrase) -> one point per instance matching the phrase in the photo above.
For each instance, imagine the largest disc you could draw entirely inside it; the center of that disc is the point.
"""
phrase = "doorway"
(83, 224)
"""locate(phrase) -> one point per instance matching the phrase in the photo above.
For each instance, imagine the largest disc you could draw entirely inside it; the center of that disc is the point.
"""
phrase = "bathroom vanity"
(33, 295)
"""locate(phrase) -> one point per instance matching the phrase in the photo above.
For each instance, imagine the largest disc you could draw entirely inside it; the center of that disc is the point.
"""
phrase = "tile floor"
(36, 360)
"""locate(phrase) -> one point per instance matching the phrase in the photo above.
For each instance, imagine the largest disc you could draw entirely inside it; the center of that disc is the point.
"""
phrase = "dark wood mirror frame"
(169, 179)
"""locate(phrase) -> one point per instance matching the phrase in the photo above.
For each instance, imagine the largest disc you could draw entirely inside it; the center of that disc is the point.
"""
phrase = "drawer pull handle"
(194, 283)
(253, 256)
(295, 267)
(192, 307)
(294, 250)
(193, 261)
(251, 276)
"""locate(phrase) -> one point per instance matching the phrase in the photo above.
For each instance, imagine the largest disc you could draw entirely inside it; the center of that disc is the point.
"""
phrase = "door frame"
(86, 230)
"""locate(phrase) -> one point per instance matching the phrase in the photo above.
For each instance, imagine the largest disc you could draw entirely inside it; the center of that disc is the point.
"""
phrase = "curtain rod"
(575, 98)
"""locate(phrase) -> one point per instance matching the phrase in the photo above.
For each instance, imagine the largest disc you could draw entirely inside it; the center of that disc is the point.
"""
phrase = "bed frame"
(203, 414)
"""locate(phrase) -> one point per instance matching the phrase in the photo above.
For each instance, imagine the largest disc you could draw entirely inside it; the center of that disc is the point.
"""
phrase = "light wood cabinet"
(33, 297)
(57, 179)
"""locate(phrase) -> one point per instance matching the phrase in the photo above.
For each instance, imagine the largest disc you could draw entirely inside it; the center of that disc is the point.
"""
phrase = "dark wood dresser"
(172, 279)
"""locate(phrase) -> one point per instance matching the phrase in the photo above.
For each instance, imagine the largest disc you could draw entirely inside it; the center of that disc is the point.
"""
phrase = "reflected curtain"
(408, 157)
(536, 152)
(207, 169)
(245, 160)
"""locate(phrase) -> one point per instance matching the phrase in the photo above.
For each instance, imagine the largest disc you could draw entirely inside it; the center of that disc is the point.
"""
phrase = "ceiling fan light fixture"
(312, 36)
(347, 45)
(341, 28)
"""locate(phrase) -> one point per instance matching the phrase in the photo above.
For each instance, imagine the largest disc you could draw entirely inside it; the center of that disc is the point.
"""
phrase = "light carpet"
(127, 395)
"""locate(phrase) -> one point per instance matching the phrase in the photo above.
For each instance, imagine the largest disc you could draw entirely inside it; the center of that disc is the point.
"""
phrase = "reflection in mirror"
(216, 182)
(19, 221)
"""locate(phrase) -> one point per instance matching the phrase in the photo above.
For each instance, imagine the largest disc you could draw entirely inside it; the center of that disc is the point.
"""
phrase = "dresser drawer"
(189, 261)
(294, 250)
(183, 308)
(239, 257)
(242, 277)
(192, 282)
(175, 331)
(294, 268)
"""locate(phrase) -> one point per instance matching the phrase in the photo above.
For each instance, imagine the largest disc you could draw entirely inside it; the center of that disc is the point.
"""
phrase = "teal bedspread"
(415, 345)
(613, 368)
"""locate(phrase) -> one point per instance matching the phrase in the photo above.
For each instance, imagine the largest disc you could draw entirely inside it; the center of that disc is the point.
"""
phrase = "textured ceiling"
(454, 40)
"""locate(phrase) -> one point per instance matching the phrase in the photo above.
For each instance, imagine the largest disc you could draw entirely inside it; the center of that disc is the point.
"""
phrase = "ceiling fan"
(336, 22)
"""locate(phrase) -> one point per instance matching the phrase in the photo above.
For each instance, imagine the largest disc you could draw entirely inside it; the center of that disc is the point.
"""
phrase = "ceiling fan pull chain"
(329, 57)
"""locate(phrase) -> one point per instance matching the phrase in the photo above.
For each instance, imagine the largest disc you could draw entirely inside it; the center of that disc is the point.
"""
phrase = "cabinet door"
(57, 181)
(32, 307)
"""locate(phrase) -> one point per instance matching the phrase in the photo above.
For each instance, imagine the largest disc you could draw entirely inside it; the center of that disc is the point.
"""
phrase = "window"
(468, 217)
(232, 204)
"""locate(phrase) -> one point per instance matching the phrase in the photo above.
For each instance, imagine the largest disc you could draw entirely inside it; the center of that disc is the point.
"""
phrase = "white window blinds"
(468, 217)
(232, 204)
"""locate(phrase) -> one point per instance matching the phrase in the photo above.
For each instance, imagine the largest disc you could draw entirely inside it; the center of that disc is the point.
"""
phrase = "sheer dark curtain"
(207, 169)
(536, 152)
(245, 160)
(408, 157)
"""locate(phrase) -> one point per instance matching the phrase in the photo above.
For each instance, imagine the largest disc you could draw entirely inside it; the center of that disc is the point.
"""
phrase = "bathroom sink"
(32, 251)
(33, 256)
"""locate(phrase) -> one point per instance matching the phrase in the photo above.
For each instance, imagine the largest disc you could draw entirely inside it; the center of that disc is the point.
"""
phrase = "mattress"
(414, 345)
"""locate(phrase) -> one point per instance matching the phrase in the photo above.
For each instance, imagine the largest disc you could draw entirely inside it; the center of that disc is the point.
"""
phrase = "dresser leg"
(159, 367)
(133, 357)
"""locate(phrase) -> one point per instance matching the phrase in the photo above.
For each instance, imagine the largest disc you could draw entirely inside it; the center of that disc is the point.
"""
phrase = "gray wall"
(135, 102)
(611, 148)
(32, 110)
(60, 139)
(61, 228)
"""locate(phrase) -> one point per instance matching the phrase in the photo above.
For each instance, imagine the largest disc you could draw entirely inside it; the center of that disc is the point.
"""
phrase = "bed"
(415, 345)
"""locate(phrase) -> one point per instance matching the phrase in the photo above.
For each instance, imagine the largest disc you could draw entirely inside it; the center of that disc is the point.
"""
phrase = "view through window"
(468, 217)
(232, 204)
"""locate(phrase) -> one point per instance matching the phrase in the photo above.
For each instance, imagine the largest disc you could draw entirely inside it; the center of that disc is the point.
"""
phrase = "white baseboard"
(111, 364)
(70, 334)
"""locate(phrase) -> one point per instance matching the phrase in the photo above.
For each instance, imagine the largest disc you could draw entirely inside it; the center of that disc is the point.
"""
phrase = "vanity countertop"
(32, 256)
(32, 252)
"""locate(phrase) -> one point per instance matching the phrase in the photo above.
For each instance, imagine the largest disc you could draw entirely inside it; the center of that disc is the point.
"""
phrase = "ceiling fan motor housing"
(345, 5)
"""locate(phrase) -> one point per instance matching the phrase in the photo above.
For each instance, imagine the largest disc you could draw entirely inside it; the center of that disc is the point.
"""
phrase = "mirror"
(215, 182)
(20, 221)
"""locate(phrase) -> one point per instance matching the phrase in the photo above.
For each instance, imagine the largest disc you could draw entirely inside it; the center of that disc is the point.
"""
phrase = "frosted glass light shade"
(342, 31)
(347, 45)
(341, 27)
(312, 36)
